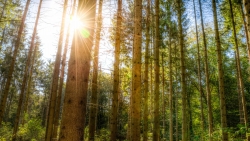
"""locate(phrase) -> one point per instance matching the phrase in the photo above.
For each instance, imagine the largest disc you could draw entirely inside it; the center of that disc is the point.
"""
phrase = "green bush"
(32, 130)
(5, 131)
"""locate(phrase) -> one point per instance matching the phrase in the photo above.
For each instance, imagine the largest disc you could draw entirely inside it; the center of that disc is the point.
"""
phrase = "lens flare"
(85, 33)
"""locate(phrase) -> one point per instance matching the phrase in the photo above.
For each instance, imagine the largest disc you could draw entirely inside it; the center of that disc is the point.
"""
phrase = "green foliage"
(5, 131)
(104, 135)
(32, 130)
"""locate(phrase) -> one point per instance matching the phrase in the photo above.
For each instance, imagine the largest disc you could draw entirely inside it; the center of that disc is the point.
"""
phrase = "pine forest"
(124, 70)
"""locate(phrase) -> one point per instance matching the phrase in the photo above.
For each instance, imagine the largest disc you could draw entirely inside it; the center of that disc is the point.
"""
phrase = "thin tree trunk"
(171, 123)
(44, 116)
(146, 89)
(28, 92)
(246, 31)
(242, 121)
(210, 113)
(113, 122)
(246, 4)
(2, 39)
(199, 73)
(163, 99)
(54, 85)
(3, 10)
(183, 77)
(176, 96)
(221, 75)
(152, 66)
(190, 122)
(12, 64)
(156, 130)
(94, 96)
(151, 85)
(26, 102)
(25, 76)
(241, 113)
(75, 102)
(239, 66)
(136, 73)
(9, 104)
(151, 89)
(60, 88)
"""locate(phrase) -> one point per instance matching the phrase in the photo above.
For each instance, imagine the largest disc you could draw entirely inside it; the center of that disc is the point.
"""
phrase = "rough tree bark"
(75, 102)
(136, 73)
(114, 110)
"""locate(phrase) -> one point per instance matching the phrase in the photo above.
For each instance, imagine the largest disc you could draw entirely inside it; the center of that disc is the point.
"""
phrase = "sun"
(76, 23)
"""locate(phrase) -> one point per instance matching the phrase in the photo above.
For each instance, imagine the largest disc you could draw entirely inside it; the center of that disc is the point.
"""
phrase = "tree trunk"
(210, 112)
(75, 102)
(183, 77)
(151, 84)
(221, 75)
(12, 64)
(156, 130)
(246, 4)
(54, 85)
(25, 76)
(199, 73)
(242, 121)
(2, 38)
(163, 99)
(61, 81)
(246, 31)
(128, 136)
(94, 96)
(176, 96)
(146, 89)
(171, 123)
(136, 73)
(113, 121)
(60, 88)
(239, 66)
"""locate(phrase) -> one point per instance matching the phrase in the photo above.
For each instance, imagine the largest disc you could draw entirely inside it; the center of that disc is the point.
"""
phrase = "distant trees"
(12, 64)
